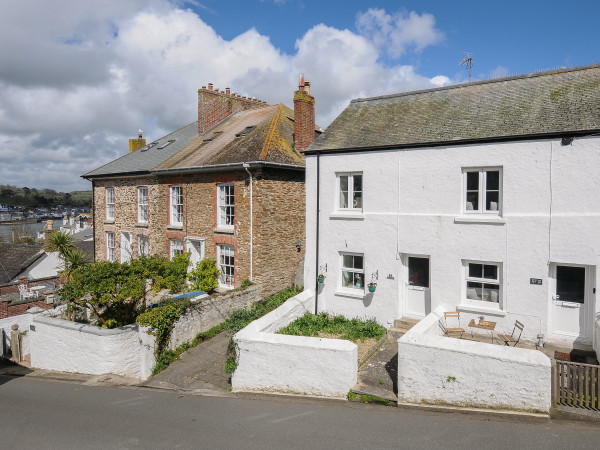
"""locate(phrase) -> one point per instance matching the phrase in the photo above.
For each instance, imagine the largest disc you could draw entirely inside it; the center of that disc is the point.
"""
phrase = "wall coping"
(83, 328)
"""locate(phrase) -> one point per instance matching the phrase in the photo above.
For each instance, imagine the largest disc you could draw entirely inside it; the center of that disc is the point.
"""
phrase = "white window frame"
(227, 277)
(358, 273)
(225, 205)
(110, 246)
(482, 191)
(109, 195)
(351, 207)
(126, 250)
(176, 204)
(467, 278)
(143, 245)
(142, 198)
(175, 248)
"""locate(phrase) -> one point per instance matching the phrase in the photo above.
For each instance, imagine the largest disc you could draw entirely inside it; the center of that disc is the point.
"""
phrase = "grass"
(349, 329)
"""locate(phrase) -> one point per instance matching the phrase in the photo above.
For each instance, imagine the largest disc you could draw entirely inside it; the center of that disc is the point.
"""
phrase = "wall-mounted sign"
(535, 281)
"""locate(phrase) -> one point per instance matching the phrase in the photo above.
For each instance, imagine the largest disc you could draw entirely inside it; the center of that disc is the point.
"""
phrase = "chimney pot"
(227, 91)
(203, 87)
(210, 86)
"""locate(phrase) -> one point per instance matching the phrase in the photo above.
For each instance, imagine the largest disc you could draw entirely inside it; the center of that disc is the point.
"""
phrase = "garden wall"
(436, 369)
(23, 321)
(65, 346)
(292, 364)
(209, 312)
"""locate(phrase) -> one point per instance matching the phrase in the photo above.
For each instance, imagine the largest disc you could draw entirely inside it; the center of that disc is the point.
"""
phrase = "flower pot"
(372, 287)
(321, 279)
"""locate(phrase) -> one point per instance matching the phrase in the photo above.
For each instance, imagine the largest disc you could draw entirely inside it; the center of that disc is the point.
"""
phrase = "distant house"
(229, 186)
(483, 196)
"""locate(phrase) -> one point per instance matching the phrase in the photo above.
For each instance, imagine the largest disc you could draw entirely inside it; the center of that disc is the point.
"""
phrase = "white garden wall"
(57, 344)
(292, 364)
(436, 369)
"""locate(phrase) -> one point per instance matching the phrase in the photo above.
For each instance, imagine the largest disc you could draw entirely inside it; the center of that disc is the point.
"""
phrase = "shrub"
(205, 276)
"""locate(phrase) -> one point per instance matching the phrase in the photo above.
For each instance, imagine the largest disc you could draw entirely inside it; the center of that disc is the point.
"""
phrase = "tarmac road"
(37, 413)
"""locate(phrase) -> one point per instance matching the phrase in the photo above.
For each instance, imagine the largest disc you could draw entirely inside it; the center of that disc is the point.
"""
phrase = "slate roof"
(554, 102)
(272, 141)
(15, 258)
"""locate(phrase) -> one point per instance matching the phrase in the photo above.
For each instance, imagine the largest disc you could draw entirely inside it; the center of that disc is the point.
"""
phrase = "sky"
(79, 78)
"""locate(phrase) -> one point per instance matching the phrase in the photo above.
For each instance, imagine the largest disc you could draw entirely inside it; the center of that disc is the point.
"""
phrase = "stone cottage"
(229, 186)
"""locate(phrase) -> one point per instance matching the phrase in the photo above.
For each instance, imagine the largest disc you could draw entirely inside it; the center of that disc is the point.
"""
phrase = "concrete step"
(405, 323)
(397, 333)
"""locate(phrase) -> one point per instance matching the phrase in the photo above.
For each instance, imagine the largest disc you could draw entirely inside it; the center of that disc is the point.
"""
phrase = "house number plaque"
(535, 281)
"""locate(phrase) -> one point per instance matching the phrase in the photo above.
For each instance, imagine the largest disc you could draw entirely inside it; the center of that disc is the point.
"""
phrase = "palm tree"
(61, 242)
(73, 261)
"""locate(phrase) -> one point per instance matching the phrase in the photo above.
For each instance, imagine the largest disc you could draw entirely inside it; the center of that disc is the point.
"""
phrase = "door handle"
(570, 305)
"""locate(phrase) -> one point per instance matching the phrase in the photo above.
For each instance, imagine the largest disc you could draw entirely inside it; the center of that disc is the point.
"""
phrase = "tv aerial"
(468, 62)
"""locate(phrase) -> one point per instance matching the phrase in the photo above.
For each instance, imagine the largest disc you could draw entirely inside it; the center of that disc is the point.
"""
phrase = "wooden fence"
(577, 385)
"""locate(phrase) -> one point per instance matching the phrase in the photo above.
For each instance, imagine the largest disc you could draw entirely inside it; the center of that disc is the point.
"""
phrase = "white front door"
(196, 249)
(125, 246)
(417, 293)
(572, 297)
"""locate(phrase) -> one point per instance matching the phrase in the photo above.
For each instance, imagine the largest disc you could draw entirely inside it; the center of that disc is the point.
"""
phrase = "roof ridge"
(478, 83)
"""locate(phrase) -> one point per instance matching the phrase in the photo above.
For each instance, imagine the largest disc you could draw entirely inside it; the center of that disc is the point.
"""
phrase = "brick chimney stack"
(304, 116)
(136, 144)
(215, 105)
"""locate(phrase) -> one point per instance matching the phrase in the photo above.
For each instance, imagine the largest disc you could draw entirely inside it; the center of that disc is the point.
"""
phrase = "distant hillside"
(33, 198)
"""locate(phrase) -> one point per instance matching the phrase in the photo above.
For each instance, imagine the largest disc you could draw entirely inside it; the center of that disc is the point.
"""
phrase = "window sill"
(224, 230)
(347, 216)
(349, 293)
(480, 219)
(109, 222)
(175, 227)
(468, 308)
(141, 225)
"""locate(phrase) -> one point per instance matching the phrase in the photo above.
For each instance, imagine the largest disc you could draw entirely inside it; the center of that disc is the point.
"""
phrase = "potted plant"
(372, 286)
(358, 281)
(321, 278)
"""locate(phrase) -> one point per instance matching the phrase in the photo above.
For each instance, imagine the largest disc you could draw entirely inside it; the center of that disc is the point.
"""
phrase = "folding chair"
(507, 338)
(449, 330)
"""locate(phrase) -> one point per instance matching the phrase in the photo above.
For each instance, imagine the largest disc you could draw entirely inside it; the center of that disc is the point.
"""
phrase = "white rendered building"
(484, 196)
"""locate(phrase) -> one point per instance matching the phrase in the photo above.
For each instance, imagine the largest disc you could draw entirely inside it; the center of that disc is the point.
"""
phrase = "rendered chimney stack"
(136, 144)
(214, 105)
(304, 116)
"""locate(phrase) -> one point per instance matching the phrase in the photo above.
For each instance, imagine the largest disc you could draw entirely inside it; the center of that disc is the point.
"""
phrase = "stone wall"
(278, 211)
(207, 313)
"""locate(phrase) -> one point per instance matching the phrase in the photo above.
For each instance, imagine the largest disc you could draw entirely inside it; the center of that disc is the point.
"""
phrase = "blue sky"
(75, 88)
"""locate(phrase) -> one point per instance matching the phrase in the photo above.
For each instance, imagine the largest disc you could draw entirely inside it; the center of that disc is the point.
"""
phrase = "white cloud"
(74, 89)
(396, 33)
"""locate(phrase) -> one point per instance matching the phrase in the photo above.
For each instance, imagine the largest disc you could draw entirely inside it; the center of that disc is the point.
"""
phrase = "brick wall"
(304, 120)
(214, 106)
(7, 310)
(278, 220)
(13, 288)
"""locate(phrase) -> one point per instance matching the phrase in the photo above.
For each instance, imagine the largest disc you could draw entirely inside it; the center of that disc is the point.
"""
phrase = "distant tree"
(27, 191)
(7, 192)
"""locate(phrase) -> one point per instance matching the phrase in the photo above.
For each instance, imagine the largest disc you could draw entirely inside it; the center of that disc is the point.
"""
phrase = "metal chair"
(452, 330)
(507, 338)
(25, 293)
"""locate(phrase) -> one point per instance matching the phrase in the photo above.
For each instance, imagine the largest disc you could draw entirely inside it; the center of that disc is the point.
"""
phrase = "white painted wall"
(23, 321)
(293, 364)
(49, 265)
(72, 347)
(413, 205)
(435, 369)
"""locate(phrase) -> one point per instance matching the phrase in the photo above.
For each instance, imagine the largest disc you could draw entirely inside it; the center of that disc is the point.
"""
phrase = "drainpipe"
(94, 221)
(247, 167)
(317, 244)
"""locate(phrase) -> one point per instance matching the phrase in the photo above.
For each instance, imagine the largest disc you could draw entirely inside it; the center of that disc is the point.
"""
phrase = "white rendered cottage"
(484, 196)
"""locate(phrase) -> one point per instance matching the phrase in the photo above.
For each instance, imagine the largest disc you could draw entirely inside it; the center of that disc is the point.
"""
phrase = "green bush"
(162, 319)
(246, 283)
(205, 276)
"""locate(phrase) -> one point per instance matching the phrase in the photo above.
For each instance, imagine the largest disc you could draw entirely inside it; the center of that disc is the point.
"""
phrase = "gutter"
(433, 144)
(228, 166)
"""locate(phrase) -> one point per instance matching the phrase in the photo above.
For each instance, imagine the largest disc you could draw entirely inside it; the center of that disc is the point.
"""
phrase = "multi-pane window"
(226, 205)
(176, 205)
(226, 264)
(353, 273)
(142, 205)
(483, 281)
(110, 246)
(110, 203)
(350, 191)
(176, 246)
(483, 190)
(143, 246)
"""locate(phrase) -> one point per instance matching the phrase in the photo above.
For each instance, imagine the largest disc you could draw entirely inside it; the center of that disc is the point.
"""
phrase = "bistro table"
(483, 325)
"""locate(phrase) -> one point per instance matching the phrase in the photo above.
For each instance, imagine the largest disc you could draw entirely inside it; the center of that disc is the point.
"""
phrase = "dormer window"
(245, 131)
